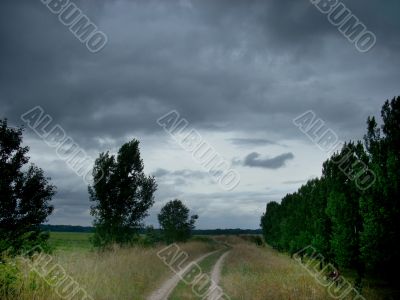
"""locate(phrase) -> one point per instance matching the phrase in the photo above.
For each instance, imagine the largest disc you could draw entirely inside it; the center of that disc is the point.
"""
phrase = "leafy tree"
(300, 220)
(270, 223)
(350, 214)
(321, 225)
(380, 206)
(343, 203)
(151, 236)
(175, 222)
(25, 195)
(122, 194)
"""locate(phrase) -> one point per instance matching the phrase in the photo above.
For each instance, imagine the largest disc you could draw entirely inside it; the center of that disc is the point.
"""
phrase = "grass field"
(257, 273)
(249, 272)
(120, 273)
(70, 241)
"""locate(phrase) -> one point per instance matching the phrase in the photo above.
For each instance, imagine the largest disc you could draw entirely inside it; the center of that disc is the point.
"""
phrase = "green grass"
(184, 291)
(70, 241)
(115, 274)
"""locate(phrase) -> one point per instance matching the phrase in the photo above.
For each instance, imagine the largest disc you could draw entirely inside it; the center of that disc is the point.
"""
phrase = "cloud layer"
(238, 71)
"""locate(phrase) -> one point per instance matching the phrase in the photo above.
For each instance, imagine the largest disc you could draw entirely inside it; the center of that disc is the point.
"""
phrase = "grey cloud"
(160, 172)
(232, 51)
(229, 65)
(184, 177)
(183, 174)
(220, 209)
(191, 174)
(224, 210)
(294, 181)
(251, 142)
(180, 181)
(253, 160)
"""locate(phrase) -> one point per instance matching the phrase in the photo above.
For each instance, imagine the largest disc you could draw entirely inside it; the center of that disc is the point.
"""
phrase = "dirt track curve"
(169, 285)
(215, 277)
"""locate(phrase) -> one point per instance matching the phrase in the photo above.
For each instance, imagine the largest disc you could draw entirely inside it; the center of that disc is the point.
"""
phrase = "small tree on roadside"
(175, 222)
(25, 194)
(122, 195)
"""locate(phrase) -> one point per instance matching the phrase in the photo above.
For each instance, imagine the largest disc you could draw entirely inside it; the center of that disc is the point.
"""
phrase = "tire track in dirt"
(169, 285)
(215, 289)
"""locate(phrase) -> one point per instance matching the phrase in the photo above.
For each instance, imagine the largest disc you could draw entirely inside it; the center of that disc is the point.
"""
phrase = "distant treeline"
(66, 228)
(226, 231)
(72, 228)
(351, 214)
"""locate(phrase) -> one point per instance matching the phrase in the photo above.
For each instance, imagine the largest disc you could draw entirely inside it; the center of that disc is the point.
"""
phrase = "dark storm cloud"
(220, 63)
(253, 160)
(225, 65)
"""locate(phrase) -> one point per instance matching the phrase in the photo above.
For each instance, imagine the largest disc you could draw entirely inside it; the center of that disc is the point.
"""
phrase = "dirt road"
(215, 293)
(169, 285)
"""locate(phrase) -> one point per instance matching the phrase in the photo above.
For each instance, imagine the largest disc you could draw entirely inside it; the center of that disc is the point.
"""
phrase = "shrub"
(10, 278)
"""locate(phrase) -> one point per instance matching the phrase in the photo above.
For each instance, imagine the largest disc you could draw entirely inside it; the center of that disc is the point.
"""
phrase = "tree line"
(121, 196)
(351, 226)
(90, 229)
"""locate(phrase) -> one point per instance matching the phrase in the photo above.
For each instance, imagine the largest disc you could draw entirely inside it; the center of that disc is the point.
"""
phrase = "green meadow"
(70, 241)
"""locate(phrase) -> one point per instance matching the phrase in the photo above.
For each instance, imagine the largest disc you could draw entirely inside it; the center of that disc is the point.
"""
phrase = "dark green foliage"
(343, 203)
(70, 228)
(66, 228)
(380, 206)
(150, 237)
(235, 231)
(9, 279)
(270, 222)
(25, 195)
(122, 195)
(349, 222)
(175, 222)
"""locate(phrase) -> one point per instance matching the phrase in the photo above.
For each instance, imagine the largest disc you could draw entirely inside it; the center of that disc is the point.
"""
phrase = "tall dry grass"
(255, 273)
(118, 274)
(259, 273)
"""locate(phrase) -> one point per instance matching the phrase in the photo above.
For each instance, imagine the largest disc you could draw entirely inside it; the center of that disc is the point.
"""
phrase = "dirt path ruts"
(169, 285)
(215, 277)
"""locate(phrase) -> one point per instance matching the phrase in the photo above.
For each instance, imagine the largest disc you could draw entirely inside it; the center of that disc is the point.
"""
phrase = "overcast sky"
(238, 71)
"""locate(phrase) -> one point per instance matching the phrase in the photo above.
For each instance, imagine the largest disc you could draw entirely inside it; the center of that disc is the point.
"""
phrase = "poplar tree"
(122, 195)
